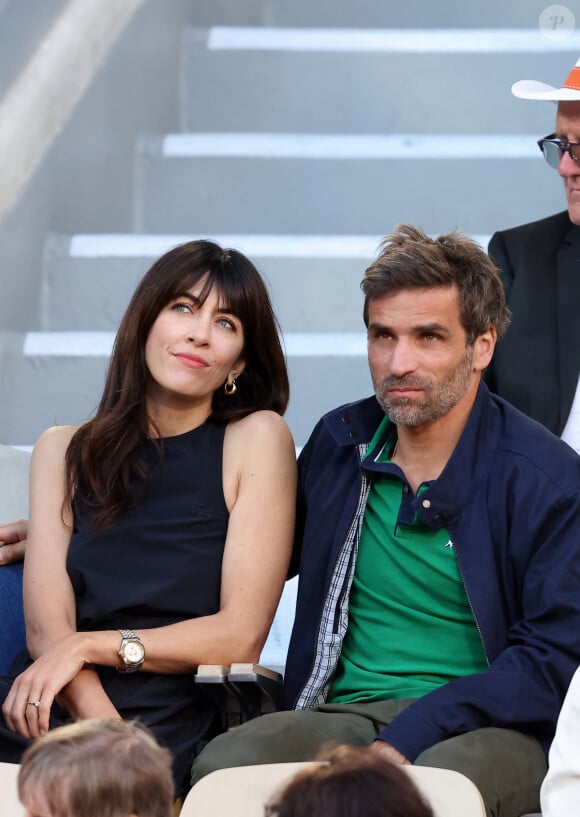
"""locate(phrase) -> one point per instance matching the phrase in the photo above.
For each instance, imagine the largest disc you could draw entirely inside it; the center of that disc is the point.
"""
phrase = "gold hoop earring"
(230, 388)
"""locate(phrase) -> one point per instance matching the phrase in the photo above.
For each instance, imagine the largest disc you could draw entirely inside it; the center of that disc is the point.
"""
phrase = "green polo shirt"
(411, 628)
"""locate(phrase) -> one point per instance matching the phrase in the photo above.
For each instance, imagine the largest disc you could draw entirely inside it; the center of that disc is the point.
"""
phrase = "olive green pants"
(506, 766)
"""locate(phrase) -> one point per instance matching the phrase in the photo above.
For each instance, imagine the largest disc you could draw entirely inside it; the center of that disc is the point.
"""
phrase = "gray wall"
(85, 182)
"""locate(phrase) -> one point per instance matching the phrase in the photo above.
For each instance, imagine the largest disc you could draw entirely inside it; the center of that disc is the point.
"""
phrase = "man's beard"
(438, 398)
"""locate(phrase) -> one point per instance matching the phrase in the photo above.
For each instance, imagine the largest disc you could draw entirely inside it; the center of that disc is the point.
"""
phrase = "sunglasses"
(553, 150)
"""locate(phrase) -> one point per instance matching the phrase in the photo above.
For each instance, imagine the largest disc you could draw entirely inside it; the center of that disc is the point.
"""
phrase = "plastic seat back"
(243, 791)
(9, 803)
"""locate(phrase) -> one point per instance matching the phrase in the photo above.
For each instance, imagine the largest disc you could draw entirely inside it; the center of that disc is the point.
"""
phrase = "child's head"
(353, 782)
(97, 768)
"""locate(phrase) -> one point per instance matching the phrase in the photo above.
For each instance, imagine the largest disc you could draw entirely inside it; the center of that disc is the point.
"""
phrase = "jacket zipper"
(481, 638)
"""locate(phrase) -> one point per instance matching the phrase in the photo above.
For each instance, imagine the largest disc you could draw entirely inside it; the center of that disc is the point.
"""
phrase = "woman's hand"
(27, 706)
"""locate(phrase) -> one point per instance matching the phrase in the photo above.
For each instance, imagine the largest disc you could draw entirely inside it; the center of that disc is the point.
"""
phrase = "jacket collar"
(572, 236)
(355, 423)
(473, 456)
(468, 465)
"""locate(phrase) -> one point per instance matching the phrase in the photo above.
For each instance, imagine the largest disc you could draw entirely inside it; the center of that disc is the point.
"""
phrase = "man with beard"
(438, 540)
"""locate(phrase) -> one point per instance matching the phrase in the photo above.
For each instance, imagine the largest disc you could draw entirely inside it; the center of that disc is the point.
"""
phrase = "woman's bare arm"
(50, 605)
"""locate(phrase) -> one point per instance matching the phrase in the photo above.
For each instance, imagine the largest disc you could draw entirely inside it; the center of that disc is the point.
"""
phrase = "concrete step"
(302, 272)
(367, 81)
(57, 378)
(315, 184)
(37, 391)
(379, 13)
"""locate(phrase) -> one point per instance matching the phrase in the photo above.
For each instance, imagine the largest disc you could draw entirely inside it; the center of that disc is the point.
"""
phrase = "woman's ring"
(33, 703)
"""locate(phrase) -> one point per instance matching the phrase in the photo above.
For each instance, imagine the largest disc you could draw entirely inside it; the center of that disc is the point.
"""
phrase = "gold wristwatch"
(131, 651)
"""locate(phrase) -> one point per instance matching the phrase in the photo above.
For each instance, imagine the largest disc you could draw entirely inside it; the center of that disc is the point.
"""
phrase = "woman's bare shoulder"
(258, 423)
(54, 441)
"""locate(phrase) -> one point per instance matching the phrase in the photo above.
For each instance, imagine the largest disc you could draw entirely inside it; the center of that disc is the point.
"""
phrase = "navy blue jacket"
(510, 498)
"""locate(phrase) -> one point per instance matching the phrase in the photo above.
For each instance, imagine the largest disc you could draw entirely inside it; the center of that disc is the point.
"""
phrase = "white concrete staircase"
(302, 145)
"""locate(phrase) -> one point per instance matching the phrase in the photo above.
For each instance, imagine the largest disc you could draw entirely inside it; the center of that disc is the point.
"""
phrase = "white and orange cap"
(532, 89)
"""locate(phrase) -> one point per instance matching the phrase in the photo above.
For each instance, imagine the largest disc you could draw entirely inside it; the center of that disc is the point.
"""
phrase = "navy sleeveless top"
(159, 564)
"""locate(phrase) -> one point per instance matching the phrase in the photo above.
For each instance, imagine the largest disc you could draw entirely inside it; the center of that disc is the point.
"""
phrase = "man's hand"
(13, 541)
(389, 753)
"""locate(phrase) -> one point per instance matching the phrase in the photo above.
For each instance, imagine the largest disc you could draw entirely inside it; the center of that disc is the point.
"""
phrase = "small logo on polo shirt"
(449, 544)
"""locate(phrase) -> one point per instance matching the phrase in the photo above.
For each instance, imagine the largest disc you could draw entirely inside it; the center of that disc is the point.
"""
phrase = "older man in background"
(536, 366)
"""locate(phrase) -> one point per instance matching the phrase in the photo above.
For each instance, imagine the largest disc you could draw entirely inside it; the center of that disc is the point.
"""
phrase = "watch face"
(133, 652)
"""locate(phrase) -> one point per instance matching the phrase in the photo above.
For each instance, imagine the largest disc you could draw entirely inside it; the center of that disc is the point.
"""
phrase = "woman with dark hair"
(353, 782)
(160, 531)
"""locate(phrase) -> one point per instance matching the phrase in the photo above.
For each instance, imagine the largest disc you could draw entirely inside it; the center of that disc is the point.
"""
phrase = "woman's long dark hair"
(104, 456)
